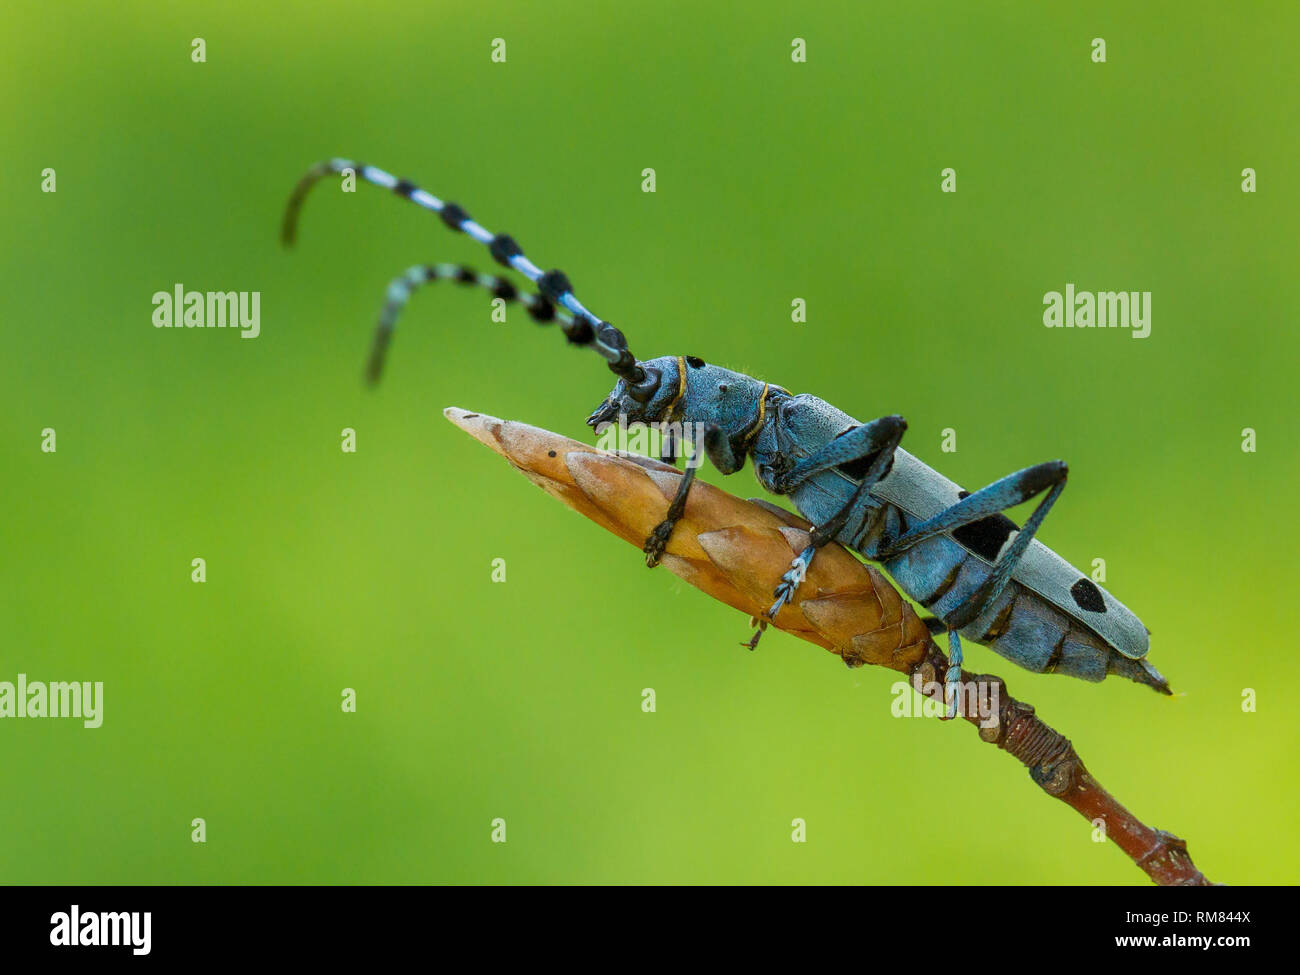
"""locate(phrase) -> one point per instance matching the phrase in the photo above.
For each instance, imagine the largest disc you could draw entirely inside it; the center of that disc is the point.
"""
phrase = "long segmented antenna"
(584, 329)
(539, 308)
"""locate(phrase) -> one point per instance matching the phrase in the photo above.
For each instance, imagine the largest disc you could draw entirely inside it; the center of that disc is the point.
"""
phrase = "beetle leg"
(789, 584)
(658, 540)
(717, 447)
(668, 452)
(952, 686)
(988, 501)
(849, 448)
(878, 442)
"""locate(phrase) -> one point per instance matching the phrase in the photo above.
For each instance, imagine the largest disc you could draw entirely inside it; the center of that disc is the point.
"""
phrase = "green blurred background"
(522, 700)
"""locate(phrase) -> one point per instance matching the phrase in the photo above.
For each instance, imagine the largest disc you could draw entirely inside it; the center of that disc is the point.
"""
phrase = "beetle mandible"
(983, 577)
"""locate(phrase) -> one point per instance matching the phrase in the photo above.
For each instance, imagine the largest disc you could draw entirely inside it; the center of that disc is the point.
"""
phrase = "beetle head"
(649, 401)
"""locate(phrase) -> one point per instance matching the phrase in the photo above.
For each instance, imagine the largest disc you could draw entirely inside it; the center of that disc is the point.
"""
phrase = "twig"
(734, 550)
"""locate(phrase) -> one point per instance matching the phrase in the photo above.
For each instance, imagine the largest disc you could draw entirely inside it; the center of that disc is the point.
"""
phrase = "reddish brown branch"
(1057, 769)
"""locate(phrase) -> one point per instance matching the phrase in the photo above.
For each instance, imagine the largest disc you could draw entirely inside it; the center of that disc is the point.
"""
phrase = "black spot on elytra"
(1088, 596)
(986, 536)
(722, 387)
(963, 495)
(550, 453)
(695, 362)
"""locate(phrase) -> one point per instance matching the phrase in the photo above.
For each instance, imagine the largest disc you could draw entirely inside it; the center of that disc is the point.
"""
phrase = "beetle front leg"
(876, 440)
(849, 448)
(668, 447)
(717, 447)
(657, 541)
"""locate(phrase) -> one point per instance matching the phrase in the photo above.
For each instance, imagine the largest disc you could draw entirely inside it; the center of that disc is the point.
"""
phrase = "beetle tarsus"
(658, 541)
(790, 582)
(752, 642)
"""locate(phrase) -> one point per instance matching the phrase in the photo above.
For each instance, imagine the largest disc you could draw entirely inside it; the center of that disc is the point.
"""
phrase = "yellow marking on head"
(681, 387)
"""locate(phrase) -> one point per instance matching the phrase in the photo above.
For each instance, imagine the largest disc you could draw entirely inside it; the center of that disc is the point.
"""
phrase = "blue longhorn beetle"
(955, 552)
